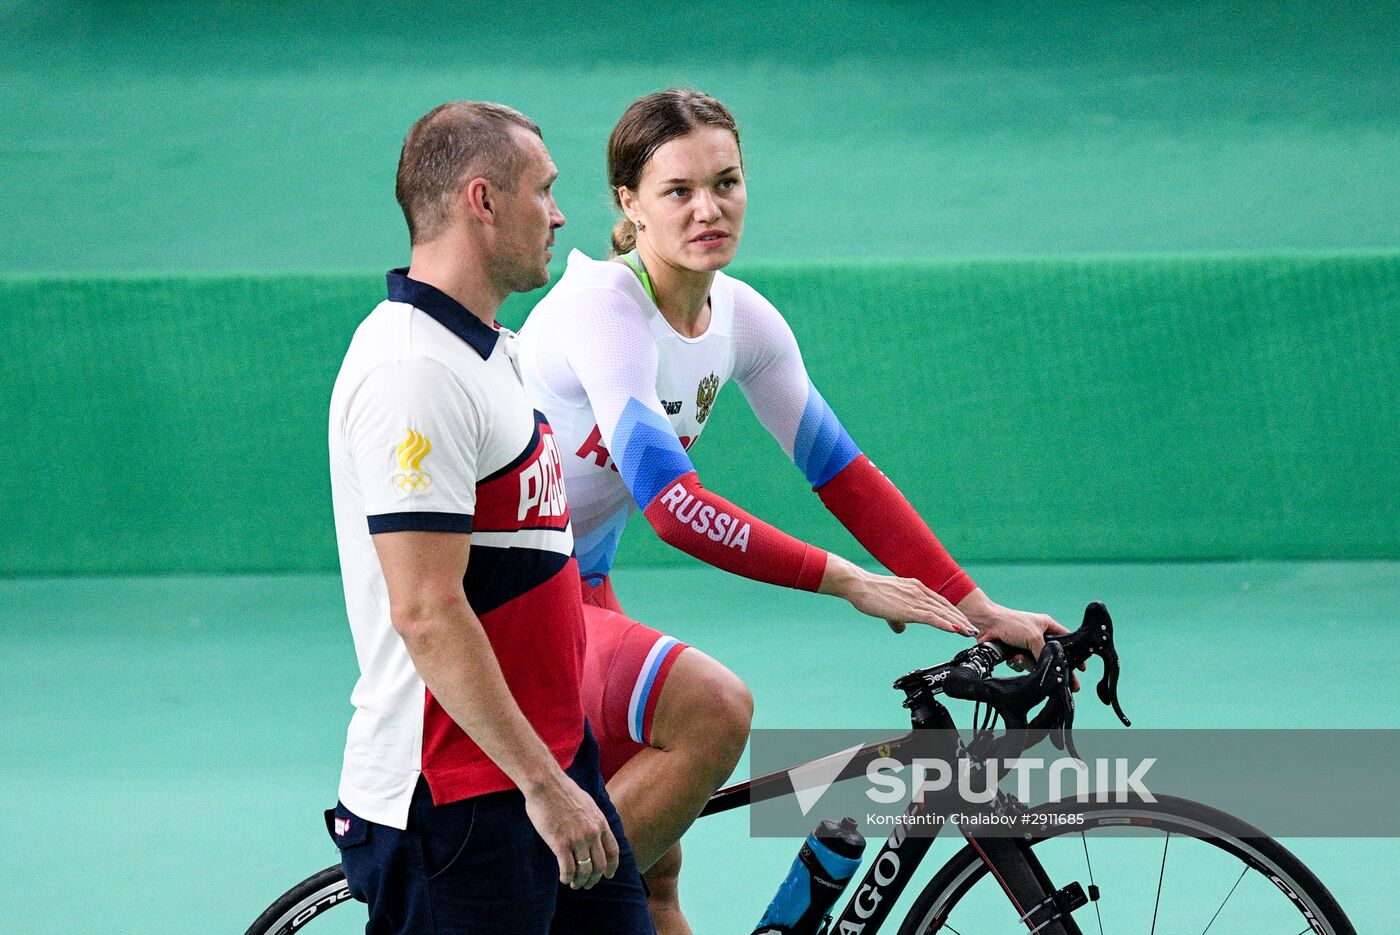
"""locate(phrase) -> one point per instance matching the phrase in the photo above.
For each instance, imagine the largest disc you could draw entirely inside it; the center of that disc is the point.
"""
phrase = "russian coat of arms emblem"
(705, 397)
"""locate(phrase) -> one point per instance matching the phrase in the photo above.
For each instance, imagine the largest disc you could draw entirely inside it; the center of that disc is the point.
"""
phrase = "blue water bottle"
(826, 863)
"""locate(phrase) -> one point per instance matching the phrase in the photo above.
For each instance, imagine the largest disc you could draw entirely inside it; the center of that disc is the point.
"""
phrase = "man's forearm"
(454, 658)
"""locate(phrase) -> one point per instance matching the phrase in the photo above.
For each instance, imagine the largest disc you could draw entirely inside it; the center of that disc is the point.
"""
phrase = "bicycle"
(1031, 878)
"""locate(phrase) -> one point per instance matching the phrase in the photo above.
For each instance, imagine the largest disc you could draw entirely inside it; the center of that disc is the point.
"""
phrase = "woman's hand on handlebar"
(1019, 628)
(895, 600)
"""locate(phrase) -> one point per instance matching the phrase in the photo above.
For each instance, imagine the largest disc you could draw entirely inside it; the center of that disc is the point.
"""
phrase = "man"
(470, 798)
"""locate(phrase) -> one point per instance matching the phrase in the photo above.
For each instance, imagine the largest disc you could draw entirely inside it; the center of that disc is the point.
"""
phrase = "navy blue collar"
(443, 309)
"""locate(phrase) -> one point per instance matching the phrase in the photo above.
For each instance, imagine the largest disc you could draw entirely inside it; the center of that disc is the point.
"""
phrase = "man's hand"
(895, 600)
(1019, 628)
(575, 830)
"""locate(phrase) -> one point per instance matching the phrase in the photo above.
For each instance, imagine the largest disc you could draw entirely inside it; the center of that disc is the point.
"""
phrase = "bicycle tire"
(1315, 904)
(310, 898)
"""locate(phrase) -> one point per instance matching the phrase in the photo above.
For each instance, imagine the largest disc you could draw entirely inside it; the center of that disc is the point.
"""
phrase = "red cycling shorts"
(624, 667)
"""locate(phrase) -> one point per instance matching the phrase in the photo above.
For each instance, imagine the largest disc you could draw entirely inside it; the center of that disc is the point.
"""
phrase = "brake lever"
(1093, 638)
(1013, 698)
(1100, 625)
(1056, 718)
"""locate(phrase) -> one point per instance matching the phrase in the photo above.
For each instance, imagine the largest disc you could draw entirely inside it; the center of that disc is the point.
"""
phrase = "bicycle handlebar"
(968, 676)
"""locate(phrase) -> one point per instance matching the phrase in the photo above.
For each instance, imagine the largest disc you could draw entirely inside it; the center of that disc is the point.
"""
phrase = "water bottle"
(825, 864)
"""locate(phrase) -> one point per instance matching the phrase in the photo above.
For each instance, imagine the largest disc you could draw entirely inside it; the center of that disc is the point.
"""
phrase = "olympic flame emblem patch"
(411, 452)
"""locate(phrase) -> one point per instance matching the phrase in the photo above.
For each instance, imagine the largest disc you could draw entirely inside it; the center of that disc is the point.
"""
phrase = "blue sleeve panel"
(647, 452)
(595, 551)
(822, 447)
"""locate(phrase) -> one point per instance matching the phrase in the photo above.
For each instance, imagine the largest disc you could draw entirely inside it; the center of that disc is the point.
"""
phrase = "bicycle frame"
(1020, 874)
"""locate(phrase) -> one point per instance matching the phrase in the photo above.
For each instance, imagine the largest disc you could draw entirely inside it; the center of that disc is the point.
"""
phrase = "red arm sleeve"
(707, 526)
(869, 505)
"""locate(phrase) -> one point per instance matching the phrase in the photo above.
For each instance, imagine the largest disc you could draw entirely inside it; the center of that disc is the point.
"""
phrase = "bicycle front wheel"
(310, 899)
(1178, 868)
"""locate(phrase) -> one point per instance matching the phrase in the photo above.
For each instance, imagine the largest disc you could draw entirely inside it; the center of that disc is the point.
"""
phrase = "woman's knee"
(704, 704)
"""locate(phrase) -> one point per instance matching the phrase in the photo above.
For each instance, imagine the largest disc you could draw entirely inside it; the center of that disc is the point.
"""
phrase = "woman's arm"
(774, 379)
(770, 371)
(613, 355)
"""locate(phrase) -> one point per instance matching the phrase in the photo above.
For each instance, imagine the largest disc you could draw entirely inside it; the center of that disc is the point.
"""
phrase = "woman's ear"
(628, 200)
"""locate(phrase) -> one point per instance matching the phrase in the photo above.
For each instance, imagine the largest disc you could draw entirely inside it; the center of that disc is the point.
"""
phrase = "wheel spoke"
(1160, 876)
(1097, 913)
(1225, 900)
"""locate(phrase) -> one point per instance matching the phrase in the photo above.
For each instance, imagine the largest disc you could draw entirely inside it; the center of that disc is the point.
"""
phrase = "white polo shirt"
(431, 430)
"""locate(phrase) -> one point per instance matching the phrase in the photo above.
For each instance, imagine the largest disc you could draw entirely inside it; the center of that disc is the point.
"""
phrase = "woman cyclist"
(626, 358)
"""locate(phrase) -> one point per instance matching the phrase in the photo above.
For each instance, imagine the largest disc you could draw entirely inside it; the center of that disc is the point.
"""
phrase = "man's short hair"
(448, 147)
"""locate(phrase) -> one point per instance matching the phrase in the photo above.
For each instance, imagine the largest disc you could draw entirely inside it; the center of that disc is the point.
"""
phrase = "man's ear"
(478, 199)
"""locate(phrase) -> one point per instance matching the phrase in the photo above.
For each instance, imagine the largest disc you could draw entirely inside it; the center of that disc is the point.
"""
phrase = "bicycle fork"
(1044, 909)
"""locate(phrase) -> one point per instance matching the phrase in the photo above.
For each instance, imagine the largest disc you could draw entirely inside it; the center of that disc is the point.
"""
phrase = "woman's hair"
(648, 124)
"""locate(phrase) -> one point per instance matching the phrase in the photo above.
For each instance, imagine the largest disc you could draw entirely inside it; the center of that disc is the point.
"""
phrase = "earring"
(639, 225)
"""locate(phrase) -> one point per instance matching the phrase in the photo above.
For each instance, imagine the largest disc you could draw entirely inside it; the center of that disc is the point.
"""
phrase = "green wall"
(1182, 407)
(1163, 403)
(189, 135)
